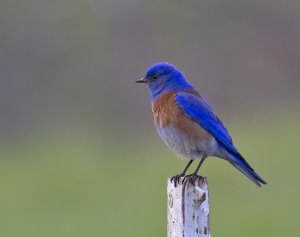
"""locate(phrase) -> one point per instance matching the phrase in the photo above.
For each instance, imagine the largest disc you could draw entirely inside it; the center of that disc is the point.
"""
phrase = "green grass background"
(86, 186)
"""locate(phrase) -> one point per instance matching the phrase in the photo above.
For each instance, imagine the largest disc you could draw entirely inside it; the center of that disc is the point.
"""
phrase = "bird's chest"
(165, 110)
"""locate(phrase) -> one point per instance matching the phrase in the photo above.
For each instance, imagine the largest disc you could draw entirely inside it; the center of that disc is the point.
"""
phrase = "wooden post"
(188, 209)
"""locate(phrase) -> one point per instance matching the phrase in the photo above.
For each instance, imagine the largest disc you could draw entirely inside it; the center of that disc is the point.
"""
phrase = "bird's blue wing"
(198, 109)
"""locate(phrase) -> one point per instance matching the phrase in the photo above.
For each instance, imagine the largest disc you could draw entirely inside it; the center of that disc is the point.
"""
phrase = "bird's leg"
(176, 178)
(194, 175)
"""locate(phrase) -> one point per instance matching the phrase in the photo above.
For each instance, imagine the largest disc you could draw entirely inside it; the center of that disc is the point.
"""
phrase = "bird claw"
(191, 177)
(176, 179)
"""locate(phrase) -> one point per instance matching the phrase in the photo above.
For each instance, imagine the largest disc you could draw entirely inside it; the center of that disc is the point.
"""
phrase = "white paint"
(188, 209)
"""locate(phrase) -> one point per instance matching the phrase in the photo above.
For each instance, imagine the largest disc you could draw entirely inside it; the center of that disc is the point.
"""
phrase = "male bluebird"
(187, 123)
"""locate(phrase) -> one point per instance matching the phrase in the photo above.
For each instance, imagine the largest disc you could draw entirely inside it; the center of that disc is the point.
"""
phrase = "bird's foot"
(191, 177)
(176, 179)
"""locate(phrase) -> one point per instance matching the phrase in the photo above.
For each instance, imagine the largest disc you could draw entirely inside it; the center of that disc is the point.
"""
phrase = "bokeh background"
(78, 152)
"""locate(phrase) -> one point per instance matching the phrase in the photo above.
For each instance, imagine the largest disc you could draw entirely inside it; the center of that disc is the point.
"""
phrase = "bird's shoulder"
(166, 110)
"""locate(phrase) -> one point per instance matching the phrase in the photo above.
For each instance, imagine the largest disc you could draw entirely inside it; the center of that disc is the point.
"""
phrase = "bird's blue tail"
(246, 169)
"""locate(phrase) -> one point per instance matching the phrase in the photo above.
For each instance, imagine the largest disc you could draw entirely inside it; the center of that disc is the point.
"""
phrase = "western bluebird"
(187, 123)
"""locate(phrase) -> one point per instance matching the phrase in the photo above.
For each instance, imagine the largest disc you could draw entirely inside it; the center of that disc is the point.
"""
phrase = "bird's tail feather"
(247, 170)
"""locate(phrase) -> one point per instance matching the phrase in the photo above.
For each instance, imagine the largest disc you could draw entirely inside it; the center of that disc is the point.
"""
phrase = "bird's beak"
(142, 80)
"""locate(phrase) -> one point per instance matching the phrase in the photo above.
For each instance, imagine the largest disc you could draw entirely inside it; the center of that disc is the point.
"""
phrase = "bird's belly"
(188, 145)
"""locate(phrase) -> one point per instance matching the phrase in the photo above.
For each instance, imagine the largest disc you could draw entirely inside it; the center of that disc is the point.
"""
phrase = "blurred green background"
(78, 152)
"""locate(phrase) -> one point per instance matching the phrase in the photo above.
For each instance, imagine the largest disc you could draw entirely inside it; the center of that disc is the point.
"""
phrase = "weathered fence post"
(188, 209)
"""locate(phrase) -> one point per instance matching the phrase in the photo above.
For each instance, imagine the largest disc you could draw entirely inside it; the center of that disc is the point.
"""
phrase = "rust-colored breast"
(165, 109)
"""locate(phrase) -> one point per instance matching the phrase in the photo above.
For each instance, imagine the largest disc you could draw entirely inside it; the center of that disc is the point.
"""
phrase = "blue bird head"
(164, 77)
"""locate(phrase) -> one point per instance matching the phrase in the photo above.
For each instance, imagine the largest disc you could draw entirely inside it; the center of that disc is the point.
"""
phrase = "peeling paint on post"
(188, 209)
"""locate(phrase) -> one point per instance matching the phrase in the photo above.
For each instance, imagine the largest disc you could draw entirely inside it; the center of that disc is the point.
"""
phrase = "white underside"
(187, 147)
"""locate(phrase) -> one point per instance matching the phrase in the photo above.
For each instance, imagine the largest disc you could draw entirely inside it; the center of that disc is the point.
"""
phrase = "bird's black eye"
(154, 76)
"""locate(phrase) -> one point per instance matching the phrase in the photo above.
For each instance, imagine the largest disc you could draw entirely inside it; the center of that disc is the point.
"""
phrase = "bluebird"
(187, 123)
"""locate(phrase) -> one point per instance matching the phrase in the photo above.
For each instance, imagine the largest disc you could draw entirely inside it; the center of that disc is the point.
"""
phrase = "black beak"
(142, 80)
